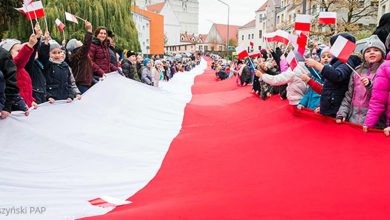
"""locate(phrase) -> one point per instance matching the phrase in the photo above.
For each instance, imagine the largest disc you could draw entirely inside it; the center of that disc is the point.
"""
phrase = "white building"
(186, 11)
(254, 31)
(142, 24)
(171, 23)
(383, 8)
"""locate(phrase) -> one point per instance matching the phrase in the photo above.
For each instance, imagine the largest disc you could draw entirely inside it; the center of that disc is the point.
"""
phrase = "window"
(206, 48)
(260, 34)
(253, 36)
(249, 36)
(259, 48)
(220, 48)
(249, 49)
(200, 47)
(242, 37)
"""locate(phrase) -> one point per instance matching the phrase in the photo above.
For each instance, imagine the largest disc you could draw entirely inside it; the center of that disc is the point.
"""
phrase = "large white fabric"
(111, 143)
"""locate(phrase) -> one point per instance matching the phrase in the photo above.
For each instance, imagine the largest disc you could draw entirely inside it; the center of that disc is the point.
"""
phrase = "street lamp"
(227, 37)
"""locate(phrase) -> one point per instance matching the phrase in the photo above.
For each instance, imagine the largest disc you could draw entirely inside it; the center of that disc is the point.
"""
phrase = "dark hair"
(97, 31)
(383, 28)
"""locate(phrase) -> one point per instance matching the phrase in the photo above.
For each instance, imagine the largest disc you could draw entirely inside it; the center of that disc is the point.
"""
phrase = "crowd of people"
(42, 70)
(357, 91)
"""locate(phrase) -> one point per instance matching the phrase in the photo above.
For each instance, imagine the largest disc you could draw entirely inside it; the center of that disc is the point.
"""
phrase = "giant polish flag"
(342, 49)
(227, 158)
(74, 158)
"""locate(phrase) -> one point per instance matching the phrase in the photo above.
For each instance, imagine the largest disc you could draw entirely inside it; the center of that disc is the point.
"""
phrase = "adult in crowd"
(383, 28)
(99, 53)
(79, 60)
(129, 66)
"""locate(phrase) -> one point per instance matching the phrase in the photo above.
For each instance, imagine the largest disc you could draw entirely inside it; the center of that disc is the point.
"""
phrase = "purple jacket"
(380, 100)
(100, 57)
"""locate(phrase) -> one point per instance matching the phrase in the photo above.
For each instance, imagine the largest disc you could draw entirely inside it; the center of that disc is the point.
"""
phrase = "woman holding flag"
(99, 53)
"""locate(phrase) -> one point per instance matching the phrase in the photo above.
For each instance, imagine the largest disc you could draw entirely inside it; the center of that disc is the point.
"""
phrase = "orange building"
(156, 30)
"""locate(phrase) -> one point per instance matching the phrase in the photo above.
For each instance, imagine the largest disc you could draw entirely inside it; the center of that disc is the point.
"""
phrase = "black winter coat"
(58, 77)
(336, 78)
(10, 92)
(35, 70)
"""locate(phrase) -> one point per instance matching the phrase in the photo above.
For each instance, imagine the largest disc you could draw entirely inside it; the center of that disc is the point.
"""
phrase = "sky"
(212, 11)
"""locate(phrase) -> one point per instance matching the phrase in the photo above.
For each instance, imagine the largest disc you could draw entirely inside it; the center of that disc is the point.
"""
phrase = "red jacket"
(23, 80)
(100, 58)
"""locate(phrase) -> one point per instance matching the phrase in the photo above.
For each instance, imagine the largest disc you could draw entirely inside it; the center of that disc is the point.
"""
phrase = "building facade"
(186, 11)
(142, 24)
(383, 8)
(156, 29)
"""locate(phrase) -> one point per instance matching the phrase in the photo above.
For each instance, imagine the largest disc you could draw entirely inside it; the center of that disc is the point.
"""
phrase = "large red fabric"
(238, 157)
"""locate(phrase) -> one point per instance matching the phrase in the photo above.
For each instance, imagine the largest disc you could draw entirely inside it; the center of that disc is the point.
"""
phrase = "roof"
(192, 38)
(249, 24)
(222, 30)
(263, 7)
(156, 8)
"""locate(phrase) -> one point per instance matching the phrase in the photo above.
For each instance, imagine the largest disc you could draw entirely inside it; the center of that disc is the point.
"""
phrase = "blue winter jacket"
(336, 78)
(312, 99)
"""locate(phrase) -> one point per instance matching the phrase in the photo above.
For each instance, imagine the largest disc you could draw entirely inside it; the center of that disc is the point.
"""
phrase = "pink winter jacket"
(380, 99)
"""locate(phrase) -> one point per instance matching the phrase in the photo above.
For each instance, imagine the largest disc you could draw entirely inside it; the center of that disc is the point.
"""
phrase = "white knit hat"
(374, 41)
(9, 43)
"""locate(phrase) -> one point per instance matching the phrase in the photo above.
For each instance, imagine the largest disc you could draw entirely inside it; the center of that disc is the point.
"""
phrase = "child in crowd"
(354, 106)
(57, 72)
(296, 88)
(21, 55)
(380, 100)
(336, 77)
(311, 99)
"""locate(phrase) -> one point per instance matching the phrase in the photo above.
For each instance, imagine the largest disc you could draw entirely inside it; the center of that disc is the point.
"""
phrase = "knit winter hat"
(158, 62)
(9, 43)
(54, 45)
(374, 41)
(71, 45)
(325, 50)
(146, 61)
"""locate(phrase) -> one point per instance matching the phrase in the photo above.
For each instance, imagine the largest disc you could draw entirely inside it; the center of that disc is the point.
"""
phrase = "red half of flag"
(251, 44)
(60, 25)
(302, 42)
(342, 49)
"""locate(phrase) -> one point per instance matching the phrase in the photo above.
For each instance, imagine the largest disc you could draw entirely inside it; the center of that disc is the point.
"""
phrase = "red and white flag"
(70, 17)
(255, 54)
(242, 53)
(251, 44)
(342, 49)
(108, 202)
(33, 11)
(302, 22)
(60, 25)
(299, 42)
(277, 36)
(327, 18)
(291, 60)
